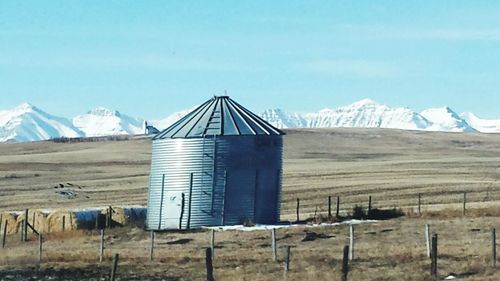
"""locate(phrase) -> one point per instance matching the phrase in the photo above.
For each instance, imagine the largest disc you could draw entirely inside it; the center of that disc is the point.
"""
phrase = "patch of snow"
(258, 227)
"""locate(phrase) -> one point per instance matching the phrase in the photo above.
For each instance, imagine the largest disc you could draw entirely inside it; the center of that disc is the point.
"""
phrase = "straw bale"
(11, 219)
(118, 217)
(55, 220)
(36, 218)
(126, 216)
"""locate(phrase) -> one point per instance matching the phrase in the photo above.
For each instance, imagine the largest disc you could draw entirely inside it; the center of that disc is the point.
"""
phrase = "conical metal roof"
(219, 116)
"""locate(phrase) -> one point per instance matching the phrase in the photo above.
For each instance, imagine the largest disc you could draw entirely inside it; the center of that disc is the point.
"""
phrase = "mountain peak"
(102, 111)
(29, 123)
(441, 111)
(445, 119)
(364, 102)
(24, 107)
(482, 125)
(102, 121)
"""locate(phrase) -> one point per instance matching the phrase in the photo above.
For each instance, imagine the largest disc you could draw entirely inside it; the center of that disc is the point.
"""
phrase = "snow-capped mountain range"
(29, 123)
(370, 114)
(104, 122)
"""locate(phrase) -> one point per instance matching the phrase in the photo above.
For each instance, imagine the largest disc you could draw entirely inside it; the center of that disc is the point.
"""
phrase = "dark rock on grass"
(311, 236)
(179, 242)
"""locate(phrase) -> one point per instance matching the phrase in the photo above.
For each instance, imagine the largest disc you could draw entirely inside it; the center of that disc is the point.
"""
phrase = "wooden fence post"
(465, 202)
(298, 209)
(337, 213)
(434, 255)
(287, 258)
(25, 225)
(63, 227)
(427, 240)
(273, 244)
(345, 263)
(40, 241)
(329, 207)
(22, 231)
(101, 247)
(151, 249)
(4, 233)
(494, 247)
(114, 267)
(110, 217)
(212, 243)
(369, 205)
(419, 203)
(209, 265)
(351, 242)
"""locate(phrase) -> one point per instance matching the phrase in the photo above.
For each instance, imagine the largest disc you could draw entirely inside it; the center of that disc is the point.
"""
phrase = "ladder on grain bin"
(208, 161)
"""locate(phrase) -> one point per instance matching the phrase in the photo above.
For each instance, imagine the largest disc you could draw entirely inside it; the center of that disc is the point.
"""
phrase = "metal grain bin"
(218, 165)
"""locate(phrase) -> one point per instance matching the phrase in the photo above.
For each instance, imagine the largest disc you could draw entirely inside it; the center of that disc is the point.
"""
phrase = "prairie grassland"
(386, 250)
(393, 166)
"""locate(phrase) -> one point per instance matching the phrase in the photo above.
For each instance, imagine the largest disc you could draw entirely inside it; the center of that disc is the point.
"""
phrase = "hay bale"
(126, 216)
(55, 221)
(11, 219)
(36, 218)
(118, 216)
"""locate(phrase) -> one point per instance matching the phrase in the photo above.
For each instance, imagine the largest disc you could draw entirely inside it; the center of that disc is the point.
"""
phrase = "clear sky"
(151, 58)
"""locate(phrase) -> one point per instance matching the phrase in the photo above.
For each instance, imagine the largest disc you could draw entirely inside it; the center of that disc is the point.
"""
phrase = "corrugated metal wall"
(223, 181)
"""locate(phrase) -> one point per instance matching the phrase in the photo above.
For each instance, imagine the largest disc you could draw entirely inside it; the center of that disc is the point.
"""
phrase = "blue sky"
(151, 58)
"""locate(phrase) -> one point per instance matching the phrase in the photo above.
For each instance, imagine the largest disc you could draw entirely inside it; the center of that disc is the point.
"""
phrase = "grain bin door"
(172, 210)
(239, 197)
(266, 197)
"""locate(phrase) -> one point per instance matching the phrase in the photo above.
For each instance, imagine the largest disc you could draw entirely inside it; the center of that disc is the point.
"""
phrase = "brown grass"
(390, 165)
(388, 250)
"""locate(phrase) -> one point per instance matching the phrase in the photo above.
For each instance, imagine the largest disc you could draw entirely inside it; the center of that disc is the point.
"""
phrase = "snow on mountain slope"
(105, 122)
(283, 120)
(368, 114)
(29, 123)
(482, 125)
(164, 123)
(364, 113)
(445, 119)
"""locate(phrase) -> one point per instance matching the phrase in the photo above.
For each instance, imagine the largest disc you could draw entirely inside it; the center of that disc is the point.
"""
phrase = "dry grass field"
(392, 166)
(389, 250)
